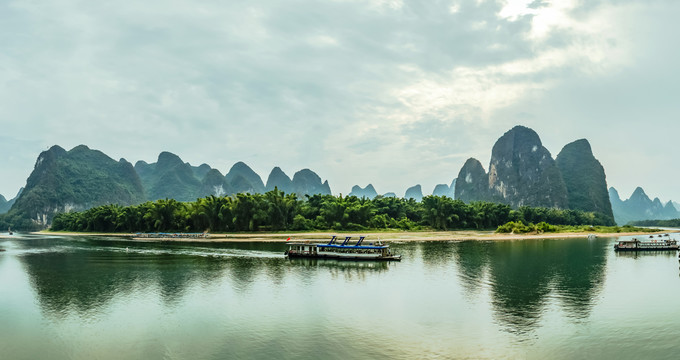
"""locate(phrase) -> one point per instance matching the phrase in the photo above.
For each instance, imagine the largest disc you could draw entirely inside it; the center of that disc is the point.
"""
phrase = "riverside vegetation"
(277, 211)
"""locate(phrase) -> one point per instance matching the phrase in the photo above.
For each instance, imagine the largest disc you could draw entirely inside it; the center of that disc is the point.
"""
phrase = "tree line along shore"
(276, 211)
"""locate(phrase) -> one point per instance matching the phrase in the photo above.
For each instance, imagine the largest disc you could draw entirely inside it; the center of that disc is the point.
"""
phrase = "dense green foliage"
(277, 211)
(18, 222)
(519, 227)
(660, 223)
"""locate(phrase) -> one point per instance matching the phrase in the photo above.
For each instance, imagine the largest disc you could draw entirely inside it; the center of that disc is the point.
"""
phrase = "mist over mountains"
(522, 172)
(5, 204)
(640, 207)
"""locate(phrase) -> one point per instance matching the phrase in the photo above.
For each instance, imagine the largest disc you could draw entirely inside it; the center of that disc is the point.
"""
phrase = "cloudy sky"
(389, 92)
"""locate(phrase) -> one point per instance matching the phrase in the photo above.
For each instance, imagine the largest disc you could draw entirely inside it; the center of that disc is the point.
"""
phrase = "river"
(106, 298)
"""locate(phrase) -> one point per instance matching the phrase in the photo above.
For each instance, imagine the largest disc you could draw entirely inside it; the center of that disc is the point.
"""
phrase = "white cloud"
(343, 87)
(477, 93)
(323, 41)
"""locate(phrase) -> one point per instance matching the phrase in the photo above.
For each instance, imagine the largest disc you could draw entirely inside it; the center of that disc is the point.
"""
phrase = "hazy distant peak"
(279, 180)
(473, 163)
(581, 143)
(414, 192)
(306, 173)
(240, 166)
(56, 148)
(366, 192)
(242, 178)
(276, 171)
(614, 195)
(214, 173)
(518, 139)
(669, 206)
(639, 192)
(204, 167)
(442, 190)
(80, 147)
(169, 158)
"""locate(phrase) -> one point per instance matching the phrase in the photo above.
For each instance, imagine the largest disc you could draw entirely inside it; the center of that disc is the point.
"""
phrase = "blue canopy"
(352, 246)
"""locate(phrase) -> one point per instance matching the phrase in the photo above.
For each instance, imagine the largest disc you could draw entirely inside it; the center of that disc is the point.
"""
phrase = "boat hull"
(352, 257)
(660, 248)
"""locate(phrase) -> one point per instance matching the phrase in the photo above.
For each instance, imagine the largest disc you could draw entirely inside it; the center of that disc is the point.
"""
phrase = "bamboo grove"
(276, 211)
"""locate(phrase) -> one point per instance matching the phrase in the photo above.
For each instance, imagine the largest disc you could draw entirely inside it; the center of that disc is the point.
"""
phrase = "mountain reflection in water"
(521, 276)
(469, 299)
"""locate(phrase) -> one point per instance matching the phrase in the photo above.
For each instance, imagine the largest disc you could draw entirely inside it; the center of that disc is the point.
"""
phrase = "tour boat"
(663, 242)
(343, 251)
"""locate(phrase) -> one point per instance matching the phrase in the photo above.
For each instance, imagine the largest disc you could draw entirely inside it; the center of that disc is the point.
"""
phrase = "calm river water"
(94, 298)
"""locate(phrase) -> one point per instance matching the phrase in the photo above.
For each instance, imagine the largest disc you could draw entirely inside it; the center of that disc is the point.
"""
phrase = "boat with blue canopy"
(663, 242)
(343, 251)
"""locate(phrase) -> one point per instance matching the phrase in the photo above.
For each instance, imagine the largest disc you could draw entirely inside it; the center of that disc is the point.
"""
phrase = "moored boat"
(170, 236)
(660, 243)
(343, 251)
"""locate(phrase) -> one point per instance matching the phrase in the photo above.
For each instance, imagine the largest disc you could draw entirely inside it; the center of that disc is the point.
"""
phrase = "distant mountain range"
(367, 192)
(414, 192)
(521, 172)
(82, 178)
(5, 204)
(640, 207)
(445, 190)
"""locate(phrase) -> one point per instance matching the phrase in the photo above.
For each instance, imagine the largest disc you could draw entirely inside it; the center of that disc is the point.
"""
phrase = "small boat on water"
(9, 231)
(164, 236)
(343, 251)
(660, 243)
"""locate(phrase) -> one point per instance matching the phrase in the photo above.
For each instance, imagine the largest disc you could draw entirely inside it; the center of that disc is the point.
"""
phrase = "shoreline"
(387, 236)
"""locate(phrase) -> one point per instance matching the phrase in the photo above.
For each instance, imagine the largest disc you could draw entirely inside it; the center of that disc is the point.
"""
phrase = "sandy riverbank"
(383, 236)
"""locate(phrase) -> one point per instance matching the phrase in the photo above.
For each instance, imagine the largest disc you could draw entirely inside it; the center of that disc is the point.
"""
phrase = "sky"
(389, 92)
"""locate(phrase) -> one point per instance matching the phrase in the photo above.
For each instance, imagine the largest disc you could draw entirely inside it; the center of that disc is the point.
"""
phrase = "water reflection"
(85, 282)
(437, 254)
(472, 258)
(520, 277)
(84, 276)
(645, 254)
(348, 270)
(340, 264)
(524, 275)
